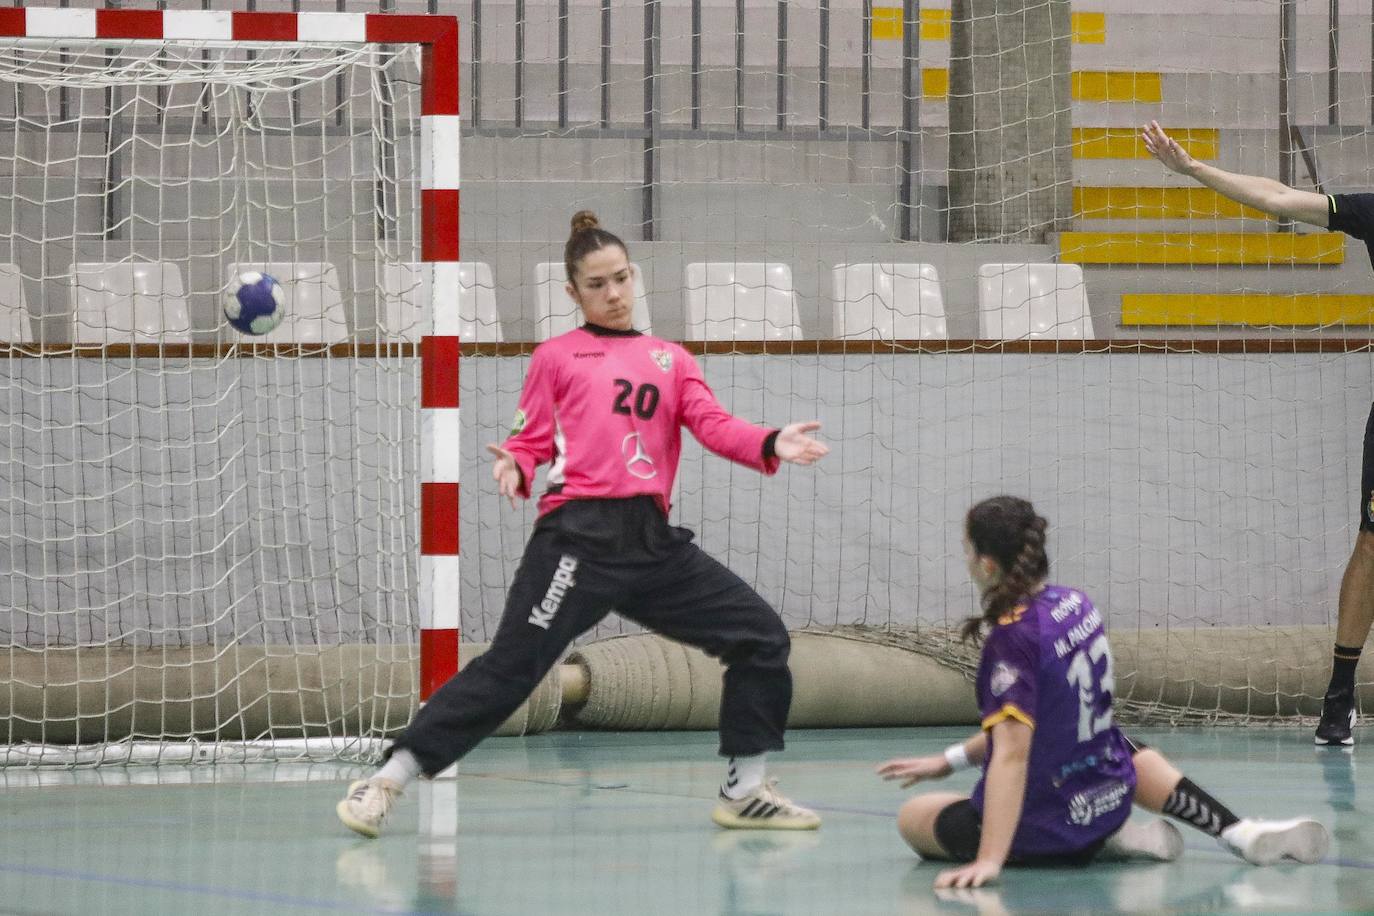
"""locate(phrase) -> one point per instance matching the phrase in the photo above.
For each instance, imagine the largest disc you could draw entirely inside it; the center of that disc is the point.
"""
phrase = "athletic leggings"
(584, 560)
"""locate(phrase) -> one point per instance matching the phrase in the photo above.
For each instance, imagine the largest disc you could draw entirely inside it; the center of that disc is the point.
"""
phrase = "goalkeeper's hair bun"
(583, 220)
(587, 236)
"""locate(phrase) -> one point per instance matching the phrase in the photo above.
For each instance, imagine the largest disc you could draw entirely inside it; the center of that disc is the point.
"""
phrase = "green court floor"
(603, 823)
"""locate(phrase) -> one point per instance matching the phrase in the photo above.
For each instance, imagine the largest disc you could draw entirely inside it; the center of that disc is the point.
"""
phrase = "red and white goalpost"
(246, 583)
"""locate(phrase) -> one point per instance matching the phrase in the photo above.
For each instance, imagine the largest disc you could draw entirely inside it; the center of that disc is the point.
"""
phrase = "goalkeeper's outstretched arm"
(1273, 197)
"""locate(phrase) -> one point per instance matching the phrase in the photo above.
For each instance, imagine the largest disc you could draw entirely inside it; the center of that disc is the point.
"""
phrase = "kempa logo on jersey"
(541, 615)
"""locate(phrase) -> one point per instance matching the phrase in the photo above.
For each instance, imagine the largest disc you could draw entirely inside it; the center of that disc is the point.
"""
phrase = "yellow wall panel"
(1124, 142)
(935, 82)
(1090, 28)
(1087, 85)
(1201, 248)
(1160, 309)
(1116, 86)
(934, 25)
(886, 24)
(1157, 203)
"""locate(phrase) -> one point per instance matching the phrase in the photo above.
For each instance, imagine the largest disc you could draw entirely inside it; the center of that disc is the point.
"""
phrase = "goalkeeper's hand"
(505, 472)
(795, 444)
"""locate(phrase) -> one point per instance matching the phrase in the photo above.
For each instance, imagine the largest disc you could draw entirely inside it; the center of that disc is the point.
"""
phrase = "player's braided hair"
(1007, 529)
(587, 236)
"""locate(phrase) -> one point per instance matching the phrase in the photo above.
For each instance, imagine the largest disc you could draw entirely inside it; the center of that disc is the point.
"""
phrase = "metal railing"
(647, 125)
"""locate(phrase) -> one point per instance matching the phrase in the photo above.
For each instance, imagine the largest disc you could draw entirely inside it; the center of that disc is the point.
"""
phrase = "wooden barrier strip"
(1134, 346)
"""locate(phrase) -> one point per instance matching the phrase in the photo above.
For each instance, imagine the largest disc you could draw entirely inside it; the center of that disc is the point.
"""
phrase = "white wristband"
(957, 757)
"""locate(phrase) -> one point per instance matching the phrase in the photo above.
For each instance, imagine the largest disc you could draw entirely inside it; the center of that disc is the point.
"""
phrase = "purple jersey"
(1047, 664)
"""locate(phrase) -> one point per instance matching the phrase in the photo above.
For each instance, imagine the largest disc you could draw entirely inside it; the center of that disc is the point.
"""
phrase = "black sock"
(1193, 806)
(1343, 662)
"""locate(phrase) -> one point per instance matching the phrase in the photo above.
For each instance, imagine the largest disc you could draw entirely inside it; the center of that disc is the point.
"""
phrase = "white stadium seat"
(1033, 302)
(558, 314)
(313, 305)
(129, 302)
(888, 302)
(405, 293)
(14, 309)
(741, 301)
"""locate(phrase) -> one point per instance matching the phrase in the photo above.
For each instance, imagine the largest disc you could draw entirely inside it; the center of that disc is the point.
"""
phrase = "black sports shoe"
(1338, 718)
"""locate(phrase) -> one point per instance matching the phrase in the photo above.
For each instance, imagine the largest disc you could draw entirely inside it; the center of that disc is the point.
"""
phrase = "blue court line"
(1203, 852)
(68, 823)
(1349, 863)
(848, 809)
(630, 789)
(43, 871)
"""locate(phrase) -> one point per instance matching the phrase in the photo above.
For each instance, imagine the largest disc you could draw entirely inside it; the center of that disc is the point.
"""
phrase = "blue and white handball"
(254, 306)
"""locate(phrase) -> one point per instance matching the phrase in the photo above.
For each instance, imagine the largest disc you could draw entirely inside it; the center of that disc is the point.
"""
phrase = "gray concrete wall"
(265, 501)
(1182, 491)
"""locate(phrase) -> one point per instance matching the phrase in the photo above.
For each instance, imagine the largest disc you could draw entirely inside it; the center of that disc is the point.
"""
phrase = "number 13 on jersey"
(1093, 691)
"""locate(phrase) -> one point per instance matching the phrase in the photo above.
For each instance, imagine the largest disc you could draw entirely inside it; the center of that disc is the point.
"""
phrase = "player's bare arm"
(911, 770)
(1006, 789)
(1266, 194)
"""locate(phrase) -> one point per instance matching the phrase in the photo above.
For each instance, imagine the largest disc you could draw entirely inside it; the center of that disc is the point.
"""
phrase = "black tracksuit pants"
(584, 559)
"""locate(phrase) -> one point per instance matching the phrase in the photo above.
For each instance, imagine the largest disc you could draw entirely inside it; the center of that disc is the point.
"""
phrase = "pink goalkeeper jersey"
(606, 408)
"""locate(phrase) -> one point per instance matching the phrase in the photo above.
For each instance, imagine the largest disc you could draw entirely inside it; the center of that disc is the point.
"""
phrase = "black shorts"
(1367, 476)
(959, 830)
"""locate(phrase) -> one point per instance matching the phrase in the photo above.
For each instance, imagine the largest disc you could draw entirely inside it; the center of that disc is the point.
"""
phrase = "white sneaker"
(1268, 842)
(367, 804)
(1156, 841)
(763, 809)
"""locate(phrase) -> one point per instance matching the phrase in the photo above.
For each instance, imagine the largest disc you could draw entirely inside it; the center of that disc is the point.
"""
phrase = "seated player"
(1058, 776)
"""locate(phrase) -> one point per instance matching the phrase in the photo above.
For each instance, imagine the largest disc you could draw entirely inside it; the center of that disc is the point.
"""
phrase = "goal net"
(209, 545)
(931, 228)
(836, 204)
